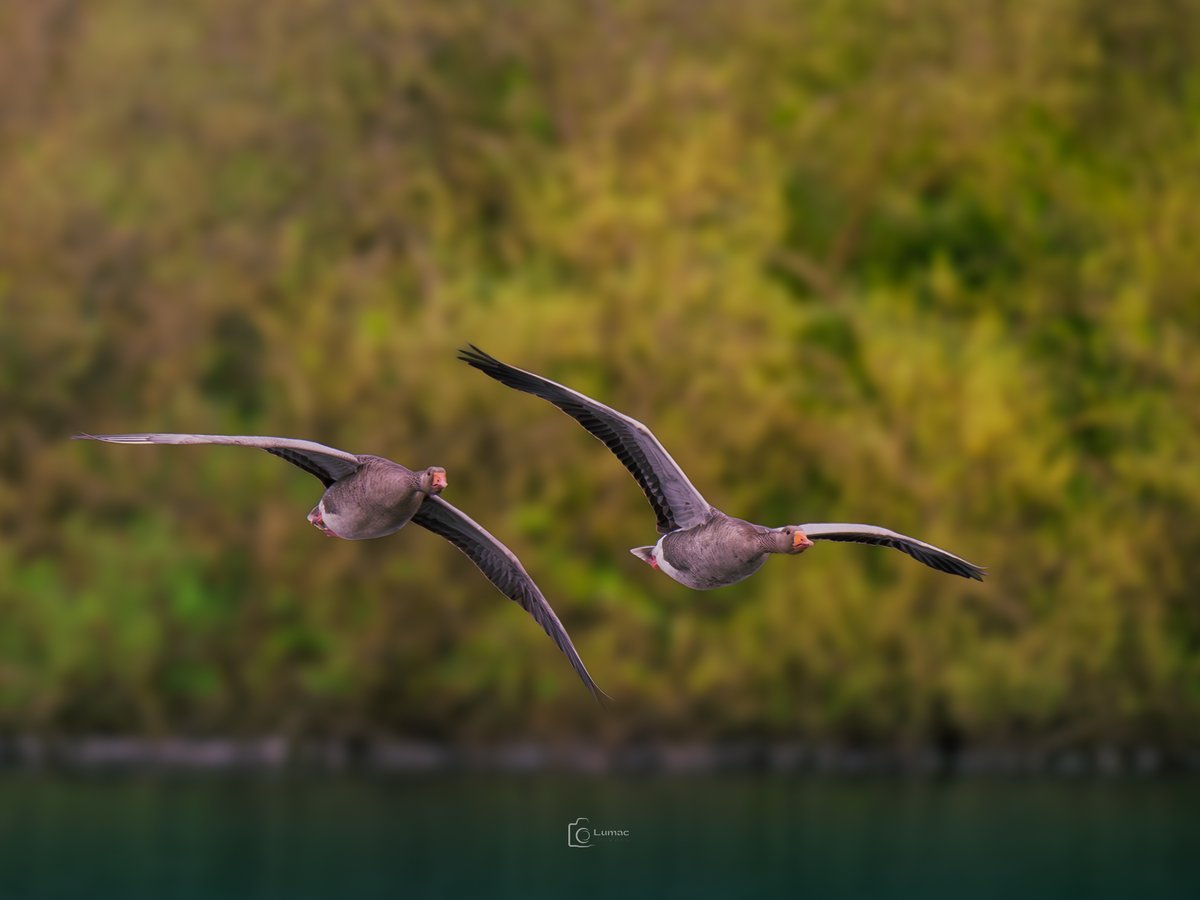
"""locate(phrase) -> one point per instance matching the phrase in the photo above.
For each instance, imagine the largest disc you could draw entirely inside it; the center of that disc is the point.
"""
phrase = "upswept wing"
(675, 501)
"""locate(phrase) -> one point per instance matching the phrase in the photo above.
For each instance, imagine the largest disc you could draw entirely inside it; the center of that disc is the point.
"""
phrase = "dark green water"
(506, 836)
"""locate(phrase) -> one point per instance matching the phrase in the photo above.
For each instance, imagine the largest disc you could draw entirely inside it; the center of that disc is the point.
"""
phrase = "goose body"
(377, 499)
(700, 546)
(719, 552)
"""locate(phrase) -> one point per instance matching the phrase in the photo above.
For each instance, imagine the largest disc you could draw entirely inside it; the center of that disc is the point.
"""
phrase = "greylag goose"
(700, 547)
(369, 496)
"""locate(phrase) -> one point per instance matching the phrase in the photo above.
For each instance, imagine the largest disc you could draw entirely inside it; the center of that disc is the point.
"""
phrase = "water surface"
(506, 836)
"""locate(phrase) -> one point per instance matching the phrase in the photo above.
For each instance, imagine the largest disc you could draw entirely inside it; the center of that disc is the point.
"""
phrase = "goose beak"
(800, 542)
(318, 522)
(439, 481)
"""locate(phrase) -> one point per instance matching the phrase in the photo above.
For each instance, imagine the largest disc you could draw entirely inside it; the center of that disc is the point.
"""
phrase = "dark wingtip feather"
(502, 372)
(949, 565)
(936, 559)
(473, 356)
(961, 568)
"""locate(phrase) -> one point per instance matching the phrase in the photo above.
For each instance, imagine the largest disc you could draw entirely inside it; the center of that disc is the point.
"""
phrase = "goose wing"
(502, 569)
(675, 501)
(934, 557)
(326, 463)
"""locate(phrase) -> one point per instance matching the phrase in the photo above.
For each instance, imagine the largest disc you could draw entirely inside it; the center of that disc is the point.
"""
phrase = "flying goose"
(701, 547)
(369, 496)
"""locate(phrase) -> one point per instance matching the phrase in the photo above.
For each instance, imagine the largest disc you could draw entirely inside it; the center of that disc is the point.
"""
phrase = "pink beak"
(439, 480)
(319, 522)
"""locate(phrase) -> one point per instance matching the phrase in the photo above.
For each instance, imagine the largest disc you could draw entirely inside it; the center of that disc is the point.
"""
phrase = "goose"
(369, 497)
(700, 546)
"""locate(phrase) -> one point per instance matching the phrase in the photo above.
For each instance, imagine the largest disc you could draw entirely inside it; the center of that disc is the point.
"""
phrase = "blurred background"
(920, 263)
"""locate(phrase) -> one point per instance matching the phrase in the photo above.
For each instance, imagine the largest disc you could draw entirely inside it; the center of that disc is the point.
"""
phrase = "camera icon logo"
(579, 834)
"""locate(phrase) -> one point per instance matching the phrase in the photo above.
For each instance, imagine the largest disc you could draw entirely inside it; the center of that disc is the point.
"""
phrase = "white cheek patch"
(661, 559)
(330, 520)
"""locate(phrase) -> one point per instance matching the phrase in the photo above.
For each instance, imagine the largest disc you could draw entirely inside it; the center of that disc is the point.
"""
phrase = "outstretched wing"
(676, 502)
(503, 569)
(934, 557)
(326, 463)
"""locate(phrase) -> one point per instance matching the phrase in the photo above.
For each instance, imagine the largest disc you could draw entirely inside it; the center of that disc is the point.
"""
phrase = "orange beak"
(800, 541)
(439, 480)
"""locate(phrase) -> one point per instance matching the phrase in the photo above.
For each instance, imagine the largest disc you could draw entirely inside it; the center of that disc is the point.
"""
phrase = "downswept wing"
(675, 501)
(502, 569)
(934, 557)
(326, 463)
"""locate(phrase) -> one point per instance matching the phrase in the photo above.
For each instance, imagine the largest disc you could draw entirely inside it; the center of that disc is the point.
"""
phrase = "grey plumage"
(376, 499)
(369, 496)
(932, 556)
(700, 547)
(676, 502)
(722, 551)
(326, 463)
(503, 569)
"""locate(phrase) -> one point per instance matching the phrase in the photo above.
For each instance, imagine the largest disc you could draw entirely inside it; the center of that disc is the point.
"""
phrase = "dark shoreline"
(29, 753)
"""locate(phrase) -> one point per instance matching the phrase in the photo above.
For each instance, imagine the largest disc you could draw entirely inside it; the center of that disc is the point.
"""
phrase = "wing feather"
(676, 502)
(934, 557)
(502, 569)
(327, 463)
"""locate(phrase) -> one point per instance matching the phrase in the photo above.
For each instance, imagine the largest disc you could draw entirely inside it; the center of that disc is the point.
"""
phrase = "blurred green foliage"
(914, 262)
